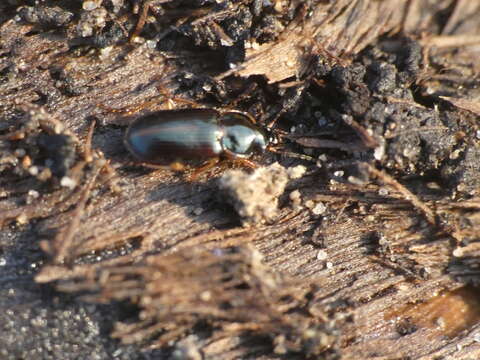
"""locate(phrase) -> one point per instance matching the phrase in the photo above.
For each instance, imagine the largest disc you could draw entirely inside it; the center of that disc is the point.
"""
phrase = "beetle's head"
(241, 137)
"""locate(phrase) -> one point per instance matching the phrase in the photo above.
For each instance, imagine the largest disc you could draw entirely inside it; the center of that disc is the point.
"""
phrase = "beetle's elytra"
(195, 134)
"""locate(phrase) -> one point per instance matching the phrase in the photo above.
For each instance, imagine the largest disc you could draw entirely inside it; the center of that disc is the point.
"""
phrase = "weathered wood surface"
(368, 270)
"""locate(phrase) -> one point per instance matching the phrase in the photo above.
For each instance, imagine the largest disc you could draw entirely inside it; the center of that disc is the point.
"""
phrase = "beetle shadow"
(199, 199)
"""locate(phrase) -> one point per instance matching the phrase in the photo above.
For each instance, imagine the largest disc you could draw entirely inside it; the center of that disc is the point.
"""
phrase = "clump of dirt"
(414, 139)
(45, 17)
(255, 196)
(38, 146)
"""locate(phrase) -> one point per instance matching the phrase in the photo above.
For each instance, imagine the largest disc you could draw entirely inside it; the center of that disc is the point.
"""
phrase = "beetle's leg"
(152, 103)
(276, 150)
(231, 157)
(164, 93)
(247, 93)
(111, 110)
(129, 110)
(177, 166)
(141, 20)
(205, 167)
(245, 163)
(174, 166)
(133, 109)
(172, 99)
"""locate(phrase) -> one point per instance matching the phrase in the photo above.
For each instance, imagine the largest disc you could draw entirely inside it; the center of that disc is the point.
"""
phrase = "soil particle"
(255, 196)
(45, 16)
(59, 152)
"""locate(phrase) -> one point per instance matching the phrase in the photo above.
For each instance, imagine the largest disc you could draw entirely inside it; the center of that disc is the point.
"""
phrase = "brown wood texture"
(383, 271)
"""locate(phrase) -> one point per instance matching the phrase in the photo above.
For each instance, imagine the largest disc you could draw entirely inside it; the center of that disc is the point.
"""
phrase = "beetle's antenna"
(276, 139)
(292, 154)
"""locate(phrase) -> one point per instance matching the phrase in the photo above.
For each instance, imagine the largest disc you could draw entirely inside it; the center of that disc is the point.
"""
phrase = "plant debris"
(223, 292)
(376, 102)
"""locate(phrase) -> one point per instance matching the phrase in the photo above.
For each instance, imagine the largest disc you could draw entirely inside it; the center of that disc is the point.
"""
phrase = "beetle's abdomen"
(184, 134)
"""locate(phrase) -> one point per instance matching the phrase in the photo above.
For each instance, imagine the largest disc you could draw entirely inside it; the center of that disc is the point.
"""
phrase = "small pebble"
(296, 198)
(151, 44)
(44, 175)
(441, 322)
(68, 182)
(322, 255)
(20, 152)
(379, 152)
(319, 209)
(309, 204)
(383, 191)
(117, 4)
(296, 172)
(21, 219)
(106, 52)
(33, 170)
(355, 181)
(89, 5)
(455, 154)
(458, 252)
(33, 193)
(26, 162)
(138, 40)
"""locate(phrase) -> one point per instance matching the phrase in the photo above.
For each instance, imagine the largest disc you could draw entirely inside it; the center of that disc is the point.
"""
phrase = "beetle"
(167, 136)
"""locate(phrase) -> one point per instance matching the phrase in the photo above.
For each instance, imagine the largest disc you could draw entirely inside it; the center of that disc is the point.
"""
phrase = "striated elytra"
(195, 134)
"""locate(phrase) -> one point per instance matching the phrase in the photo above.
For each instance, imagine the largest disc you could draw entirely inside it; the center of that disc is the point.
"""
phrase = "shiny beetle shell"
(194, 134)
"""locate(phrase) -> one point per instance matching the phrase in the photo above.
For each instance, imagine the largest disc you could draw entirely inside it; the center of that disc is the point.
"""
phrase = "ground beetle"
(167, 136)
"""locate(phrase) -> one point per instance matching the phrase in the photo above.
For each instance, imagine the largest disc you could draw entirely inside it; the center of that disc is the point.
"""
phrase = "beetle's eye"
(230, 142)
(233, 142)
